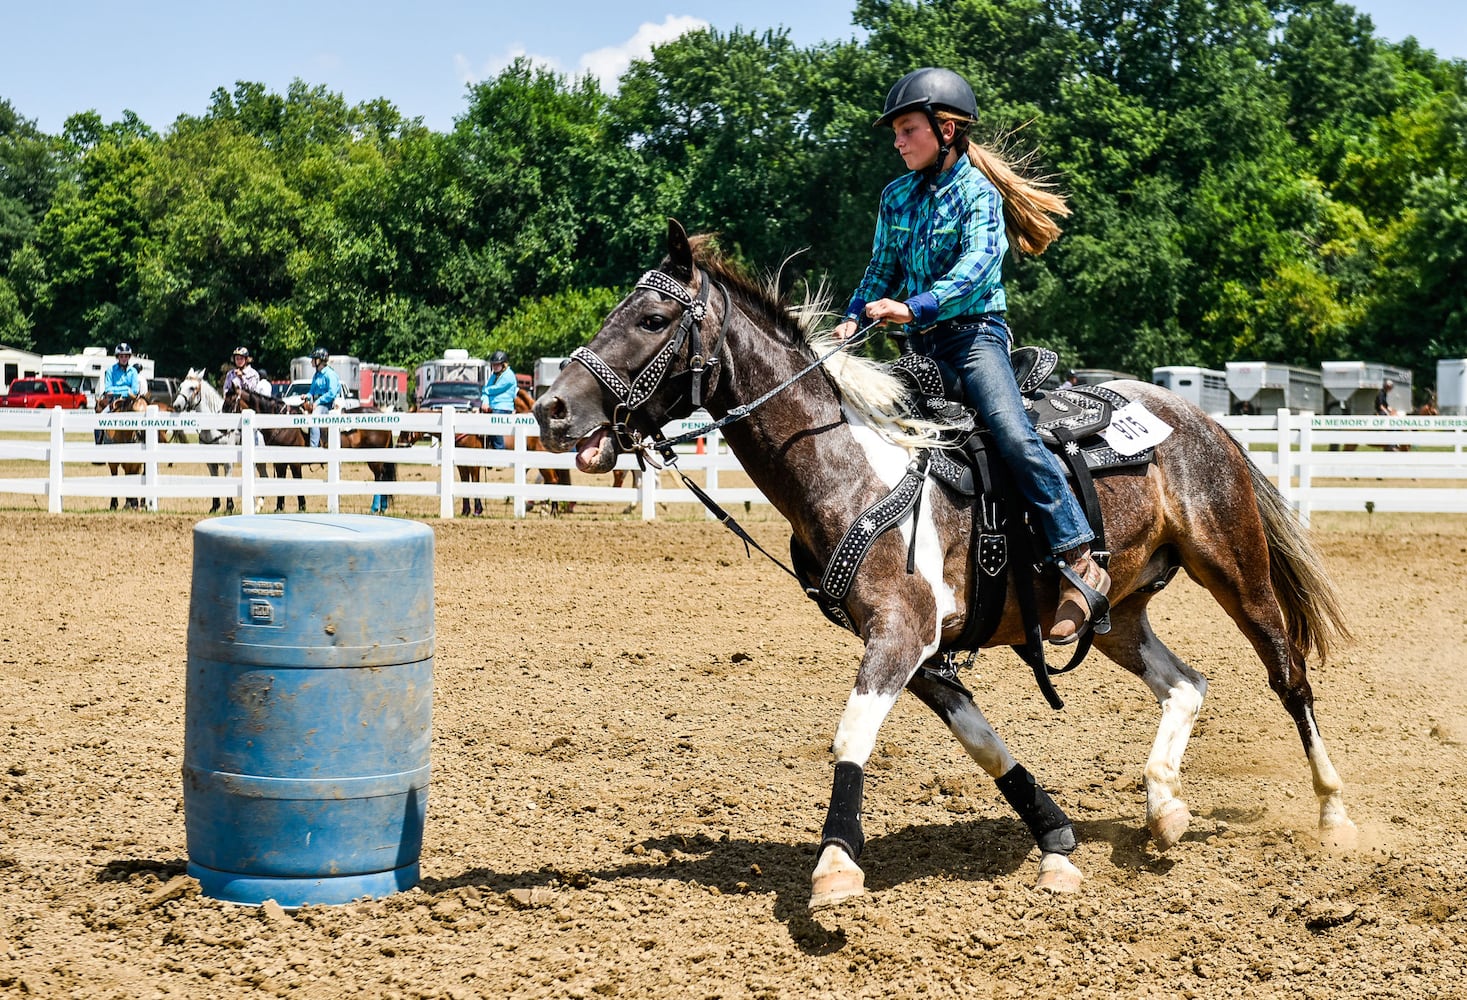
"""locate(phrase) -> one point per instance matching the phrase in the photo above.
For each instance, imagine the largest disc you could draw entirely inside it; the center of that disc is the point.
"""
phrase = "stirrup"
(1097, 605)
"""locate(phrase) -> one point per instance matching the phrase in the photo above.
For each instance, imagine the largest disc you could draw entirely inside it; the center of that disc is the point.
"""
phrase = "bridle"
(704, 368)
(189, 399)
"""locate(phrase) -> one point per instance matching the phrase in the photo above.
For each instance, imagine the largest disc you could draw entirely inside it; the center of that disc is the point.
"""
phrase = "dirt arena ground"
(630, 769)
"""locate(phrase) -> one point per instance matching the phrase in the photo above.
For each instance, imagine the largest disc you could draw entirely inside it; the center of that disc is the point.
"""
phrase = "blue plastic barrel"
(309, 707)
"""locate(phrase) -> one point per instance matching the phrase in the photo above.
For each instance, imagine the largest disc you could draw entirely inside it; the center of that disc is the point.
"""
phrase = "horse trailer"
(384, 386)
(84, 371)
(1351, 386)
(1205, 387)
(546, 371)
(455, 366)
(1266, 386)
(14, 364)
(1451, 386)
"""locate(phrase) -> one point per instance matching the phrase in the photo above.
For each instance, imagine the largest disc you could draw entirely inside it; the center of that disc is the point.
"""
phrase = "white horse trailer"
(1451, 386)
(1351, 386)
(546, 370)
(1206, 387)
(1266, 386)
(455, 366)
(14, 364)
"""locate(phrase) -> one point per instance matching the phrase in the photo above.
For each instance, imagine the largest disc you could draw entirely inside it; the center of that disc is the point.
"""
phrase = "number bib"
(1133, 428)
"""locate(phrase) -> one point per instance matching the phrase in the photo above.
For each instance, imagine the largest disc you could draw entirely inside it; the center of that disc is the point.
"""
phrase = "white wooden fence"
(44, 453)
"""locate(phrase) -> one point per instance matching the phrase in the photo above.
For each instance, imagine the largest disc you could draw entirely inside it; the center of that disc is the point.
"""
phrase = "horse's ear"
(679, 252)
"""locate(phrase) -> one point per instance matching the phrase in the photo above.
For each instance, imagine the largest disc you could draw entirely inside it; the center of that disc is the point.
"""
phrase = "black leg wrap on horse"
(1046, 821)
(843, 821)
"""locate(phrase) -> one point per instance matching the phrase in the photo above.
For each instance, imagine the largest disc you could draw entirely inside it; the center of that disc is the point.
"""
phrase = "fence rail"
(1411, 464)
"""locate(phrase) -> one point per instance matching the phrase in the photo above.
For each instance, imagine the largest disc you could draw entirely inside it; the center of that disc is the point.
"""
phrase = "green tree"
(548, 327)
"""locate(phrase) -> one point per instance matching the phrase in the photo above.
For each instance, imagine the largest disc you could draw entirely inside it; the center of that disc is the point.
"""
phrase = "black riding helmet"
(499, 358)
(929, 90)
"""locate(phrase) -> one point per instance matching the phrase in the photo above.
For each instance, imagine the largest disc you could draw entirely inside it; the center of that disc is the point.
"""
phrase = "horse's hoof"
(1340, 836)
(1058, 874)
(1169, 825)
(836, 878)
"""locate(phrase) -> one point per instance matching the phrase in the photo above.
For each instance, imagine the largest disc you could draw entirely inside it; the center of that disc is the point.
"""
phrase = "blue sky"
(163, 58)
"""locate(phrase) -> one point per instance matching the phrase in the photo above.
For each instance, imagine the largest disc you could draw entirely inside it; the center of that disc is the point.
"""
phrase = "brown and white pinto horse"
(111, 435)
(822, 457)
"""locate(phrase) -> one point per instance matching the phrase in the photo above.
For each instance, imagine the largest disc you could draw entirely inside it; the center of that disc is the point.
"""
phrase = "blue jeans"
(978, 353)
(496, 441)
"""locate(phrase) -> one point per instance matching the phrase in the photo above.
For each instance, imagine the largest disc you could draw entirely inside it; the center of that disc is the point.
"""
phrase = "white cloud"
(605, 64)
(608, 64)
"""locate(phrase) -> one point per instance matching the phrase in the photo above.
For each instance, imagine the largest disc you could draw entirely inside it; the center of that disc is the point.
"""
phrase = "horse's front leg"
(1047, 822)
(892, 654)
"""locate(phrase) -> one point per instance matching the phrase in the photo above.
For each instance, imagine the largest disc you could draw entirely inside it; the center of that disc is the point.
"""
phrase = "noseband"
(702, 367)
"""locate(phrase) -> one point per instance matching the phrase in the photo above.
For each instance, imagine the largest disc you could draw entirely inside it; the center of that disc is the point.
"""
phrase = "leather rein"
(704, 369)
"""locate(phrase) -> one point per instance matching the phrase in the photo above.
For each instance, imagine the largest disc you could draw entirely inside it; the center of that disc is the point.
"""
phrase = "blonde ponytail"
(1029, 204)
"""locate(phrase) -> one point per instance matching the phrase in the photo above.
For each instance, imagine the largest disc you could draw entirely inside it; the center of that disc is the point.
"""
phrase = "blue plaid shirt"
(943, 250)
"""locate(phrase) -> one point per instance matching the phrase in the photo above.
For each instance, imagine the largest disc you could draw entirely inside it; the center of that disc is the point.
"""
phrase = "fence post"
(521, 466)
(247, 494)
(150, 459)
(445, 463)
(54, 463)
(333, 467)
(1285, 459)
(647, 493)
(1306, 463)
(710, 467)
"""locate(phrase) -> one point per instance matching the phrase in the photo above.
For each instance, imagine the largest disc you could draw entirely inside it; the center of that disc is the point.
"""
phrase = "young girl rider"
(936, 267)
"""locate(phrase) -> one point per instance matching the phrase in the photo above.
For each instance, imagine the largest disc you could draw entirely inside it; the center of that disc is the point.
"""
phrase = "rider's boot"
(1083, 604)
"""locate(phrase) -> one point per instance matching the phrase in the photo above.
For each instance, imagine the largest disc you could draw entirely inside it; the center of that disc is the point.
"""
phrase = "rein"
(631, 396)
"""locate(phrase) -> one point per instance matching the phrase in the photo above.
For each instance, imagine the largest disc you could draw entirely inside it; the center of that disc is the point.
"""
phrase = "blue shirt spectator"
(499, 392)
(325, 387)
(122, 380)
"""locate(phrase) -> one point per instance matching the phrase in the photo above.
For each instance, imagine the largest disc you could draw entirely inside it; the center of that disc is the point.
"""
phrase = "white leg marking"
(1180, 697)
(1336, 829)
(855, 737)
(982, 742)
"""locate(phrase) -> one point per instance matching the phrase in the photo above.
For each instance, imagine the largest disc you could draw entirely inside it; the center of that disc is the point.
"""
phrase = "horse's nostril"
(556, 408)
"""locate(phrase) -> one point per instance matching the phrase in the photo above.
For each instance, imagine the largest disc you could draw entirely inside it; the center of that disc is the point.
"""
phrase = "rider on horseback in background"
(499, 392)
(325, 387)
(119, 382)
(242, 375)
(941, 233)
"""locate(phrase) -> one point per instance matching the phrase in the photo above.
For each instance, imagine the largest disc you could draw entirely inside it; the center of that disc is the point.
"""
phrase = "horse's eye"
(654, 323)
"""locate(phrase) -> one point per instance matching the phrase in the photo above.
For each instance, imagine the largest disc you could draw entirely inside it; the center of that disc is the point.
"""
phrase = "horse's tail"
(1306, 594)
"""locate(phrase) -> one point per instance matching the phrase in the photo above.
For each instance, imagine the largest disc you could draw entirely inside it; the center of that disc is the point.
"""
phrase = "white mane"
(867, 387)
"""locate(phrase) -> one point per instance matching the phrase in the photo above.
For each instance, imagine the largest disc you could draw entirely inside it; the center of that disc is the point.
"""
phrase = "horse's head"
(655, 359)
(190, 391)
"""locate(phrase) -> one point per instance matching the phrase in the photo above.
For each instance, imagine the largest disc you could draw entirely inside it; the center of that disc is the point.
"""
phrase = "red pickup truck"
(44, 392)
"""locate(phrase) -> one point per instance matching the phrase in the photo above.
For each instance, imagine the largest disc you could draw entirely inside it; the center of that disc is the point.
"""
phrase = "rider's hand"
(890, 311)
(844, 330)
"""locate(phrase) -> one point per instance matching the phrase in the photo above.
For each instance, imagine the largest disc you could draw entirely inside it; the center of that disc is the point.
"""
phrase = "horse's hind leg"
(1051, 828)
(1247, 594)
(1179, 691)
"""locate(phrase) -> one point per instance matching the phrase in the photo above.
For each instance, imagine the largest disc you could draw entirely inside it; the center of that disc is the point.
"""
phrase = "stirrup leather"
(1097, 605)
